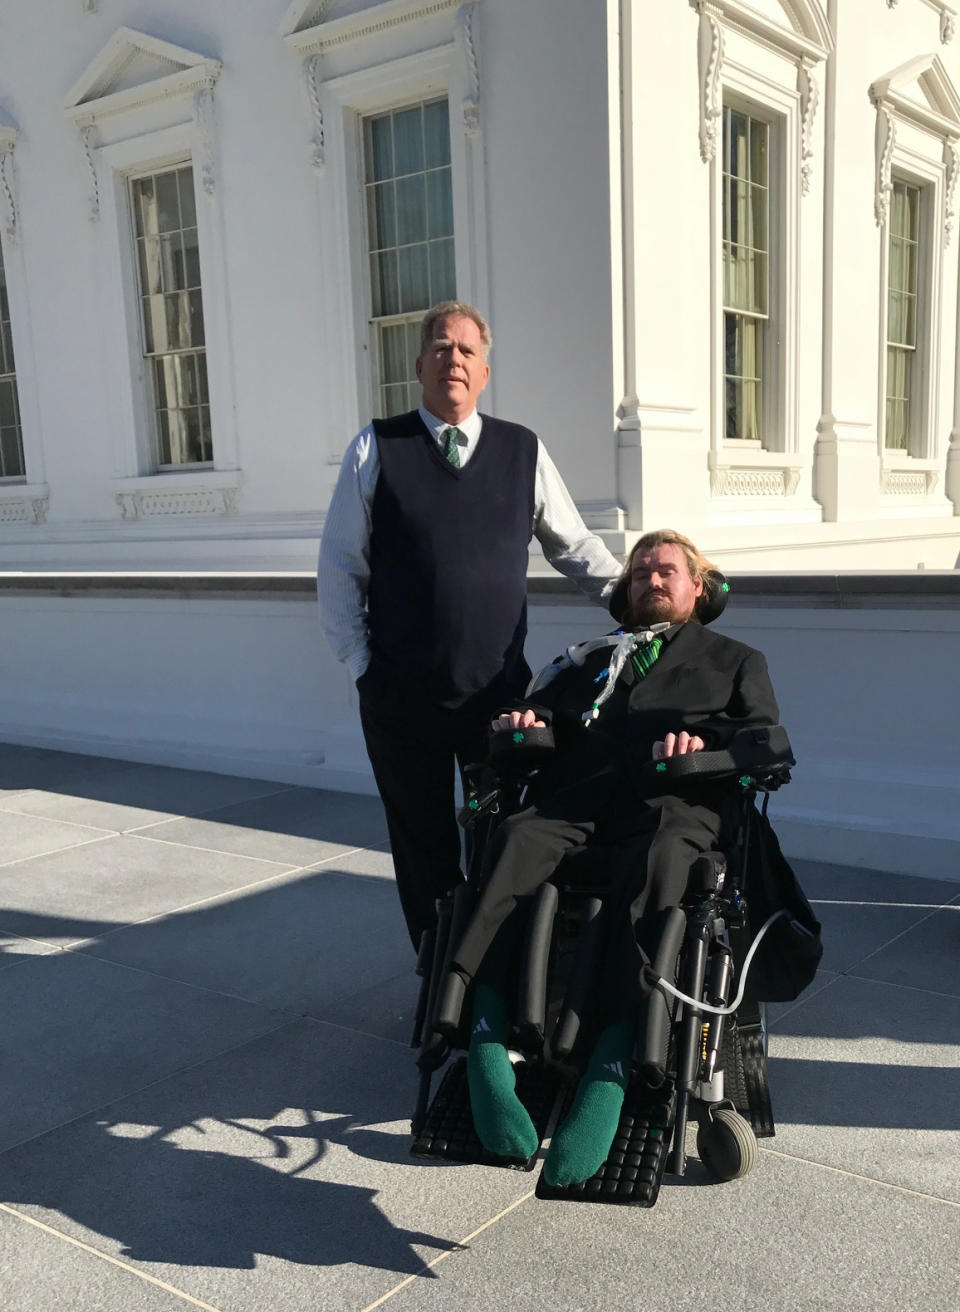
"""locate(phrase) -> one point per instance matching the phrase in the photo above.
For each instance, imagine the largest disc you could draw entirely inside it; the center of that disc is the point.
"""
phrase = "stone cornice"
(326, 36)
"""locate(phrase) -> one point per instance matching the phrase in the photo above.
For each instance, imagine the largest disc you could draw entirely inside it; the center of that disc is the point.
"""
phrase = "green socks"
(501, 1120)
(581, 1144)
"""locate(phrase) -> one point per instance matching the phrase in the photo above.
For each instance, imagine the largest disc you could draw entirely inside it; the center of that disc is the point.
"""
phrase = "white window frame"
(23, 500)
(916, 139)
(762, 98)
(910, 167)
(165, 121)
(342, 100)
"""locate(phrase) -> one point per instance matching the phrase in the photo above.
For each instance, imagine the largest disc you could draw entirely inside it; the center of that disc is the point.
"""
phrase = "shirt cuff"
(357, 663)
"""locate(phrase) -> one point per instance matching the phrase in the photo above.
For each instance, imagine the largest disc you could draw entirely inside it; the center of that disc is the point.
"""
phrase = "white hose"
(731, 1007)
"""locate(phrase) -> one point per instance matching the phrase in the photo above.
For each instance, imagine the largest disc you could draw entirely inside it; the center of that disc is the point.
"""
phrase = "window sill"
(23, 502)
(737, 472)
(192, 492)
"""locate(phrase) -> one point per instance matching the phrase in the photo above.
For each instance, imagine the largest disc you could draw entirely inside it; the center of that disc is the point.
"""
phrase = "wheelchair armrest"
(526, 749)
(759, 753)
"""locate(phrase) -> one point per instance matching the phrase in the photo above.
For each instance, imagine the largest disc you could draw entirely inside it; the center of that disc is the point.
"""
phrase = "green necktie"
(644, 659)
(450, 448)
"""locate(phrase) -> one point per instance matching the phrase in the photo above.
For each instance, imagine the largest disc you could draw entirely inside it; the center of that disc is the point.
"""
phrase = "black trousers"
(652, 845)
(414, 747)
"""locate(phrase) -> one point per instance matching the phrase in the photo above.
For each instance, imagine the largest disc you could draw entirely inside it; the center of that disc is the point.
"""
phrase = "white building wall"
(586, 226)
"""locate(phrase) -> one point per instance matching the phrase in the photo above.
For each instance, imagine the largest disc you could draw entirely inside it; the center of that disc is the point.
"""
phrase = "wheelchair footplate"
(633, 1171)
(448, 1132)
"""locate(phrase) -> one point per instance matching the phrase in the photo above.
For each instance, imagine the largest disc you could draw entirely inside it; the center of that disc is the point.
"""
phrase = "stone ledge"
(909, 588)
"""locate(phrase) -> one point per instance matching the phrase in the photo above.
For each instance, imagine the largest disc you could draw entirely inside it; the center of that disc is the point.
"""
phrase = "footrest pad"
(760, 1114)
(632, 1173)
(448, 1131)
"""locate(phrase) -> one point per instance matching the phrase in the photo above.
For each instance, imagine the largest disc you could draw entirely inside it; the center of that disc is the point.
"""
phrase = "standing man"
(422, 584)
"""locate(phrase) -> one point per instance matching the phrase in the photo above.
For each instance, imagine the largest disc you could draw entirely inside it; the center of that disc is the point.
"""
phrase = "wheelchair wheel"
(726, 1145)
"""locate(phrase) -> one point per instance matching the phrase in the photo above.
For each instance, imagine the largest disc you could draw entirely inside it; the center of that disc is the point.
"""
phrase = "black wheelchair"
(719, 959)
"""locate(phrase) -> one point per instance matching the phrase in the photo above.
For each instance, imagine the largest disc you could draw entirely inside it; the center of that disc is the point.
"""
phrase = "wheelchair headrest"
(710, 604)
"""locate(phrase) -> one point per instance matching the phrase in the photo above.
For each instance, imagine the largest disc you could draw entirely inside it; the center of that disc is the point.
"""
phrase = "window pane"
(379, 148)
(384, 284)
(8, 403)
(414, 278)
(443, 274)
(197, 330)
(758, 152)
(168, 202)
(191, 258)
(394, 399)
(145, 207)
(896, 431)
(177, 321)
(11, 453)
(171, 262)
(202, 389)
(439, 204)
(413, 347)
(188, 199)
(408, 141)
(436, 128)
(738, 144)
(382, 215)
(758, 217)
(148, 253)
(393, 354)
(411, 210)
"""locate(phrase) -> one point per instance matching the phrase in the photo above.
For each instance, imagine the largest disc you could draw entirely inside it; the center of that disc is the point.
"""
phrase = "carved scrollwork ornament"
(88, 140)
(710, 62)
(203, 117)
(10, 223)
(951, 161)
(313, 79)
(471, 101)
(948, 26)
(809, 100)
(886, 136)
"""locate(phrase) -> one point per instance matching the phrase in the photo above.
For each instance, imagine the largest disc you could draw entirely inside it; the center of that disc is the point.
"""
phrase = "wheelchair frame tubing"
(690, 1019)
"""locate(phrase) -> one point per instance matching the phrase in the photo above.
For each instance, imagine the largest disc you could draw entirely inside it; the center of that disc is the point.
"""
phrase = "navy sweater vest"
(447, 598)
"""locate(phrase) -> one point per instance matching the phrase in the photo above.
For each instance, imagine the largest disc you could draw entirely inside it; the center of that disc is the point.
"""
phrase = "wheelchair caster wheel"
(727, 1145)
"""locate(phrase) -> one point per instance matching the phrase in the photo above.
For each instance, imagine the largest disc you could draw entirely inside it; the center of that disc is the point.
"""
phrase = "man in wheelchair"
(663, 687)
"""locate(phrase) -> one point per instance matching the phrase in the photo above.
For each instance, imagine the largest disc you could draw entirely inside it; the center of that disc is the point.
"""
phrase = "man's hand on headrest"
(518, 720)
(676, 744)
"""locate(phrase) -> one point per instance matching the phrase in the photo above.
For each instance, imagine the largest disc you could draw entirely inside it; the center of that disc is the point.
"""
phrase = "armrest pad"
(521, 749)
(756, 752)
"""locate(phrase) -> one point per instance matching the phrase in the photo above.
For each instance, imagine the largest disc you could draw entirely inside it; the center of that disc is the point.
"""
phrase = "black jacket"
(703, 682)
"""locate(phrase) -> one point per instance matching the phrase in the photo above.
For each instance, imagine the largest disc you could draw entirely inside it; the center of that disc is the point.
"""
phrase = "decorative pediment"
(921, 92)
(798, 27)
(133, 70)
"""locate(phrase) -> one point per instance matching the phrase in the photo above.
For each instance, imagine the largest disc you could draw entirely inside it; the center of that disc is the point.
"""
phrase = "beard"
(655, 608)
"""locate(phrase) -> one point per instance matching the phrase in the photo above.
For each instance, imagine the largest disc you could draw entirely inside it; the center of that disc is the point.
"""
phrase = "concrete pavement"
(205, 1089)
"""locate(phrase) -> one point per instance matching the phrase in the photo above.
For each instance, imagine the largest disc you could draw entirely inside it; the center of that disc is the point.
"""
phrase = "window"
(171, 315)
(903, 385)
(409, 205)
(11, 440)
(746, 275)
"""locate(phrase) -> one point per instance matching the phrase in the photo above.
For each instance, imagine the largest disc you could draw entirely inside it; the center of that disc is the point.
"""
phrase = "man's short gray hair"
(453, 310)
